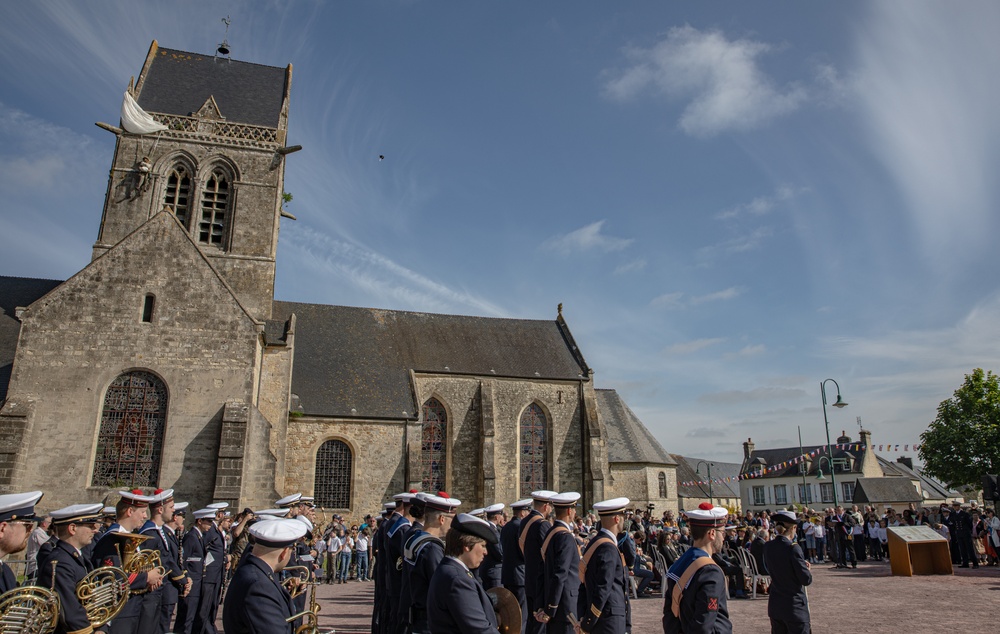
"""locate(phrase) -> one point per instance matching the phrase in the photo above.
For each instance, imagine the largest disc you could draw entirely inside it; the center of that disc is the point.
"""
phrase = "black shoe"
(854, 565)
(964, 566)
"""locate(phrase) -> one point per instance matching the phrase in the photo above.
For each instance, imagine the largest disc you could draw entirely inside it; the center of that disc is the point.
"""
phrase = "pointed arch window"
(130, 440)
(178, 195)
(663, 484)
(533, 449)
(333, 475)
(215, 209)
(433, 446)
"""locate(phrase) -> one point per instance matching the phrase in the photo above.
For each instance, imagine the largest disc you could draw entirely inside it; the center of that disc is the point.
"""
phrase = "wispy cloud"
(762, 205)
(633, 266)
(740, 244)
(668, 301)
(385, 281)
(586, 238)
(706, 432)
(748, 351)
(725, 294)
(756, 394)
(688, 347)
(676, 299)
(721, 78)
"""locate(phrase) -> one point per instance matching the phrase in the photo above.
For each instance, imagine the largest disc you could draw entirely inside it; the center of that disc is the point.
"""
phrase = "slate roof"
(628, 439)
(687, 471)
(356, 362)
(934, 490)
(882, 490)
(776, 456)
(178, 82)
(14, 292)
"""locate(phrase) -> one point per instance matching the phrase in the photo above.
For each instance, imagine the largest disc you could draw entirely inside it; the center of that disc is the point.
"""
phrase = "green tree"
(963, 442)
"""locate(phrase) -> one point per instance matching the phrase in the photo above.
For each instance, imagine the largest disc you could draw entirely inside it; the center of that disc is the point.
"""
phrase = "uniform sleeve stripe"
(595, 611)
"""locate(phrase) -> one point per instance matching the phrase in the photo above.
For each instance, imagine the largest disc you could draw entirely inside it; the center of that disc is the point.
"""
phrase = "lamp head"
(820, 475)
(840, 402)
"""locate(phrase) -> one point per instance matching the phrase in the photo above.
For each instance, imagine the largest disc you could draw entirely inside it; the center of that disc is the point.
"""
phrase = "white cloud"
(762, 205)
(721, 79)
(725, 294)
(631, 267)
(739, 244)
(668, 300)
(688, 347)
(585, 239)
(750, 351)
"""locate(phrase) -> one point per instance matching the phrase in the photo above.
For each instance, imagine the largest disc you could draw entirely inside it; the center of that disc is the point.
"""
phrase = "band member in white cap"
(422, 554)
(456, 601)
(605, 575)
(158, 606)
(787, 602)
(17, 520)
(534, 529)
(561, 555)
(489, 571)
(193, 549)
(214, 572)
(512, 570)
(695, 597)
(131, 513)
(74, 527)
(256, 602)
(393, 545)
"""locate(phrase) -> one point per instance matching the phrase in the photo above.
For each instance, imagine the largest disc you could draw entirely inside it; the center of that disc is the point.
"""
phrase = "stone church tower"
(166, 361)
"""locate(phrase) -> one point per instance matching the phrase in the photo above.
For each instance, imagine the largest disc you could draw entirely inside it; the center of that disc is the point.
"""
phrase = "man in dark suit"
(561, 557)
(843, 524)
(456, 601)
(534, 529)
(605, 607)
(512, 569)
(961, 533)
(757, 549)
(256, 601)
(75, 527)
(787, 604)
(193, 548)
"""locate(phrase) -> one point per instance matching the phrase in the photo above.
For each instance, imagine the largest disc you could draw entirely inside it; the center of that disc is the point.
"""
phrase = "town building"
(700, 480)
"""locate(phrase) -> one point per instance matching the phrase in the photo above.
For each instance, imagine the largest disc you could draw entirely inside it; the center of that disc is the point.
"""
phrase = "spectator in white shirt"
(333, 546)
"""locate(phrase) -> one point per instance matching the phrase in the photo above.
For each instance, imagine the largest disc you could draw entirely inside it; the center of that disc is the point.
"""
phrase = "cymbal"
(508, 610)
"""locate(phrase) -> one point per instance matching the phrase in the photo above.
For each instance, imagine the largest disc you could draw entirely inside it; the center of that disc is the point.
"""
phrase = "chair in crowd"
(749, 566)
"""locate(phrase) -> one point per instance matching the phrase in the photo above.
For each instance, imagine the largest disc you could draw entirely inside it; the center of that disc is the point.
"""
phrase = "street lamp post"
(829, 447)
(697, 469)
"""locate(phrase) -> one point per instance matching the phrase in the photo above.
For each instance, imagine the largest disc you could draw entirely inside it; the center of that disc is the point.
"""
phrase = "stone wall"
(81, 336)
(639, 482)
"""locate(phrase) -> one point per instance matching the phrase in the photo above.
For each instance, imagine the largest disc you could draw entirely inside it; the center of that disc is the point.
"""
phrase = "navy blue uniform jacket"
(606, 583)
(418, 570)
(787, 599)
(512, 570)
(106, 554)
(255, 602)
(457, 603)
(562, 577)
(489, 571)
(704, 607)
(215, 545)
(534, 571)
(71, 567)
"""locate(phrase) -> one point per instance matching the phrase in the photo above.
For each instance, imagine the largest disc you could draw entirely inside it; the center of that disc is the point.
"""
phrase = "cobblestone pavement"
(868, 597)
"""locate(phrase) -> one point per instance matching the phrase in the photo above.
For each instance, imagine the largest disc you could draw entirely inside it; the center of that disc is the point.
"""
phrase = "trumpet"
(30, 610)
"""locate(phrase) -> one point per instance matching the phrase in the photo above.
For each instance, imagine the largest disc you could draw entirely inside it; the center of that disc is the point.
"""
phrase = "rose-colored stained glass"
(533, 449)
(130, 439)
(433, 447)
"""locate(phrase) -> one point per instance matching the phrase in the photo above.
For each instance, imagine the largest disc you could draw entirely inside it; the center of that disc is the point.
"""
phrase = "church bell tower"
(203, 137)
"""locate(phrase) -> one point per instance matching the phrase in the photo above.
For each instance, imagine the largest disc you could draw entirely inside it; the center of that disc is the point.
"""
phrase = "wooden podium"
(918, 550)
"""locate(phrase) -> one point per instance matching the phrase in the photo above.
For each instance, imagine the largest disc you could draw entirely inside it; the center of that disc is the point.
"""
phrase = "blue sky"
(733, 200)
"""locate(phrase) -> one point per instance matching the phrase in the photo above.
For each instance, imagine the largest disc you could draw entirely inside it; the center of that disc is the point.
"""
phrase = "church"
(167, 362)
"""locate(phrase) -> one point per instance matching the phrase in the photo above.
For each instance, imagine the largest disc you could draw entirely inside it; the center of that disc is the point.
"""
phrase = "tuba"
(30, 610)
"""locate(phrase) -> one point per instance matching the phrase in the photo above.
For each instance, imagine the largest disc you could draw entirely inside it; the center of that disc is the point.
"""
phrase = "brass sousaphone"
(507, 609)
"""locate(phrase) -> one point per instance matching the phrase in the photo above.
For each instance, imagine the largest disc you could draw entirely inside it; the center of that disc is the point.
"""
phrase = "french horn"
(29, 610)
(103, 593)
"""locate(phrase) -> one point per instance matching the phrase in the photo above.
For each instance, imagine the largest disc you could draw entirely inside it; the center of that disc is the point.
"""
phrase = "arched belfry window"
(663, 484)
(215, 208)
(533, 448)
(130, 440)
(433, 446)
(177, 197)
(333, 475)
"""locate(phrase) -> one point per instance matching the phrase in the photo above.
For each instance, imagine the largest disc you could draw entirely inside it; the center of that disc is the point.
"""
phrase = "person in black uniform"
(489, 571)
(702, 604)
(158, 606)
(131, 512)
(17, 520)
(422, 554)
(378, 551)
(401, 616)
(212, 573)
(256, 602)
(74, 527)
(534, 528)
(512, 570)
(193, 548)
(961, 534)
(787, 603)
(393, 543)
(456, 601)
(604, 605)
(843, 525)
(561, 557)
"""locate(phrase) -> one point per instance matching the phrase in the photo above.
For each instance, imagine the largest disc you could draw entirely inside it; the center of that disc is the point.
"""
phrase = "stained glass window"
(130, 440)
(533, 448)
(333, 475)
(433, 447)
(214, 209)
(178, 193)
